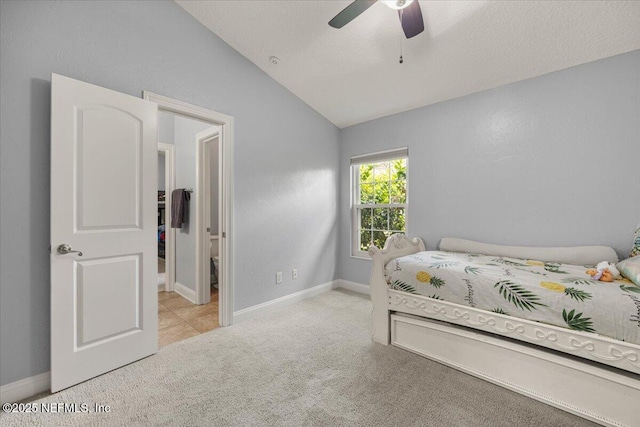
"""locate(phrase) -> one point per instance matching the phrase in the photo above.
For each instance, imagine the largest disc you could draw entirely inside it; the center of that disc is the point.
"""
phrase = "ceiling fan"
(408, 11)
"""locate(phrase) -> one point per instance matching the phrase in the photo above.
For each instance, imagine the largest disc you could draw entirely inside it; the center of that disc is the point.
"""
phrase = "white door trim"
(226, 222)
(169, 151)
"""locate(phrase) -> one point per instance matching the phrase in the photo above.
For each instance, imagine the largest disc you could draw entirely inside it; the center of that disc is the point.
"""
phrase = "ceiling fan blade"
(351, 12)
(411, 19)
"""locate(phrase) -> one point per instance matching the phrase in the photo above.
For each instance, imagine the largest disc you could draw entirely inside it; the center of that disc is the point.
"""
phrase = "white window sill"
(362, 257)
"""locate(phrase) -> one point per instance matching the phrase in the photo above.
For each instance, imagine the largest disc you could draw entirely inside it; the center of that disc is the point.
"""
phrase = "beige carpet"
(312, 363)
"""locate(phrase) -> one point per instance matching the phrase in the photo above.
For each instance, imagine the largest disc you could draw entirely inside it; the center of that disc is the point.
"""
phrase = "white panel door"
(103, 204)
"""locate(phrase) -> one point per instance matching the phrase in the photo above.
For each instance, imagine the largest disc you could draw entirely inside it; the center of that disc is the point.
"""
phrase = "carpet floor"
(309, 364)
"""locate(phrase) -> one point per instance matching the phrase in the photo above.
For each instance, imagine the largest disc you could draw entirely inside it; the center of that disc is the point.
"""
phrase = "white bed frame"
(559, 368)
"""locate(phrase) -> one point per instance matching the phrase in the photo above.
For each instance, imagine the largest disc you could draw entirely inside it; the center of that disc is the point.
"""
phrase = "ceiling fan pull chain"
(401, 15)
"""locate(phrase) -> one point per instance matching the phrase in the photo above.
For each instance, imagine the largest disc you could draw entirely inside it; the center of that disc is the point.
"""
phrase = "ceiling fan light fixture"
(397, 4)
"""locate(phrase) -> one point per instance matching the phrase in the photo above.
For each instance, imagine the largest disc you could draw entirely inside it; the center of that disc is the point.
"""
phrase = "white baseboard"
(186, 292)
(353, 286)
(266, 307)
(21, 389)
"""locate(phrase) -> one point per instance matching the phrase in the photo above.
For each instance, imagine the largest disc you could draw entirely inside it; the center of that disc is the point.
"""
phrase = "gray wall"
(543, 162)
(161, 172)
(285, 153)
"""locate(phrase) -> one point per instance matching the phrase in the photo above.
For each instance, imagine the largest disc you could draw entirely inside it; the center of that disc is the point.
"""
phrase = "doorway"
(220, 132)
(208, 212)
(187, 308)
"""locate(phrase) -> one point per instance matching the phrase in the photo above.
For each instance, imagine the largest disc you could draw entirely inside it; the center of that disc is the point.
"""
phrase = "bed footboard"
(397, 245)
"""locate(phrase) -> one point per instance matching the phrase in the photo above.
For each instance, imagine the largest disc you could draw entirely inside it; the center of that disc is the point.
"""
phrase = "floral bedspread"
(558, 294)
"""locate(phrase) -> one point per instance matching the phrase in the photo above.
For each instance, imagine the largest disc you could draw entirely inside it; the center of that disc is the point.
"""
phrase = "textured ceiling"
(352, 75)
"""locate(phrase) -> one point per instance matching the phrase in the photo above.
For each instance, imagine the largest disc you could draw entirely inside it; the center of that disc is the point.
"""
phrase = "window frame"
(356, 161)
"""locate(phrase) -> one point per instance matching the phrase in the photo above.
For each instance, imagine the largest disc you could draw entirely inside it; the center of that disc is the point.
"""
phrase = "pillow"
(576, 255)
(635, 251)
(630, 268)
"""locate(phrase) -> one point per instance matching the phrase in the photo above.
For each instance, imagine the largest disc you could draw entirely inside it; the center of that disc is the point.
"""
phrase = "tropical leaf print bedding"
(558, 294)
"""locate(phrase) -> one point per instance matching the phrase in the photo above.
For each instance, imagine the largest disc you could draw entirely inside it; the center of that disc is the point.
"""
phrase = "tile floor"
(179, 318)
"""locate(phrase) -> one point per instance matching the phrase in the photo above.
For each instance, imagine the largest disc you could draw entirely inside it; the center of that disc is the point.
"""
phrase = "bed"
(528, 319)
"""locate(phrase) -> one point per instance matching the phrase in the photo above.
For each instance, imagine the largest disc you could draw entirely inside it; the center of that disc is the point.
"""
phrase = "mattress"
(557, 294)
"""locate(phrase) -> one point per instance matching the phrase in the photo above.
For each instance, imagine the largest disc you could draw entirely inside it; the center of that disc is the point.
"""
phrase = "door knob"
(64, 249)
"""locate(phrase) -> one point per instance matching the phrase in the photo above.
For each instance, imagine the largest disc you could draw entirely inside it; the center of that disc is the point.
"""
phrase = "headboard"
(397, 245)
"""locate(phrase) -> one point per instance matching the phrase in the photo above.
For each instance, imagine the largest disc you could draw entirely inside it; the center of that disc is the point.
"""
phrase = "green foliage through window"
(380, 201)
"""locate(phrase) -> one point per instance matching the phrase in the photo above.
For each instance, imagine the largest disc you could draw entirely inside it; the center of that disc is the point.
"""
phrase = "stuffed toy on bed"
(604, 272)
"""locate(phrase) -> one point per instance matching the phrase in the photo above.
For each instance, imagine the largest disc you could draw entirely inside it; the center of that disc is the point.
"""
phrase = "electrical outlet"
(279, 277)
(294, 274)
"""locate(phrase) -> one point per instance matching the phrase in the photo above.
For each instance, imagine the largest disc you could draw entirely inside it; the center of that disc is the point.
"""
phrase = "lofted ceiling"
(352, 75)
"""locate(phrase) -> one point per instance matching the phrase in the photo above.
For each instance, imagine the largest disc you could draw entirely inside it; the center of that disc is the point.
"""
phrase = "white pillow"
(630, 268)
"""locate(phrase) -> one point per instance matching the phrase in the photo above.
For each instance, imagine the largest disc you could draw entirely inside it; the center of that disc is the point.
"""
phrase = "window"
(379, 198)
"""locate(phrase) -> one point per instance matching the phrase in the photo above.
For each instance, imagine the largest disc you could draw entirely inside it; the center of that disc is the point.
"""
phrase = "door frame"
(225, 231)
(203, 206)
(169, 151)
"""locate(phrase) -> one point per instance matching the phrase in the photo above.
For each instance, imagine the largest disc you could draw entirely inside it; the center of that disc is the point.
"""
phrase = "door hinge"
(224, 234)
(49, 248)
(208, 229)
